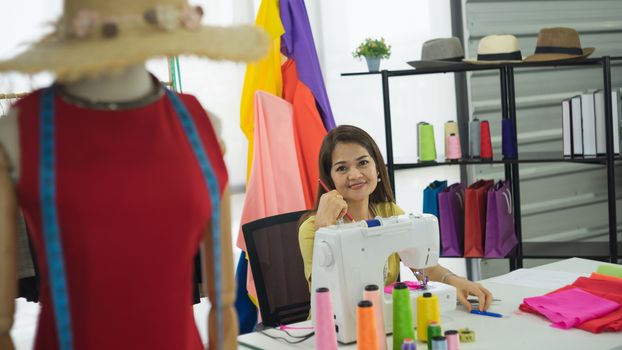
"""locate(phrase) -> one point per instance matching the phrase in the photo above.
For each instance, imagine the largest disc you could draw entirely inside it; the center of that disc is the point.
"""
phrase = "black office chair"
(278, 269)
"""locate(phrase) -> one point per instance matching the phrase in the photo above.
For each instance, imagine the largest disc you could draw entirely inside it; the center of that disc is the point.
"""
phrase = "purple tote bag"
(451, 213)
(500, 230)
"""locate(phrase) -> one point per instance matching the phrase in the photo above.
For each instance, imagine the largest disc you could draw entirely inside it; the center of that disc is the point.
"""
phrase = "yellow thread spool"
(427, 310)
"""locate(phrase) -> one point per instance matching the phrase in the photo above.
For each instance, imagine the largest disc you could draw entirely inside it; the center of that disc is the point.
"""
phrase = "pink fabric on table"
(412, 285)
(572, 307)
(611, 290)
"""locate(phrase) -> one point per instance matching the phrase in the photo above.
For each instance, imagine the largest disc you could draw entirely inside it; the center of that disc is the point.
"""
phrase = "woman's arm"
(8, 251)
(306, 239)
(463, 286)
(227, 296)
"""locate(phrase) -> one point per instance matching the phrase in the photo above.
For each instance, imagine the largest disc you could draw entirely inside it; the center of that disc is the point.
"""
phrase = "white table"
(516, 330)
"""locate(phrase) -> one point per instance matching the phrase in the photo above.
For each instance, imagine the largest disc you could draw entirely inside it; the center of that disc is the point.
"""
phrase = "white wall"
(406, 25)
(22, 23)
(339, 26)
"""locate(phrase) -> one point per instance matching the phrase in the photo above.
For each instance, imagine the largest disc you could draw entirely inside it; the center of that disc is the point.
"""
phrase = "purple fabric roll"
(297, 43)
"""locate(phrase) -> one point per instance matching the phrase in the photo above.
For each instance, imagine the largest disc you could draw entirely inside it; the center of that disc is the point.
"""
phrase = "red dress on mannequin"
(132, 208)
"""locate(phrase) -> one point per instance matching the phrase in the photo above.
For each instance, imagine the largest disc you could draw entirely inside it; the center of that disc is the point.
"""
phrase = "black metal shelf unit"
(534, 250)
(525, 157)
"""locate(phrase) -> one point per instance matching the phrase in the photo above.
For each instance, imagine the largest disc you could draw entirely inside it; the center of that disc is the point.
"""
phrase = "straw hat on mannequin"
(136, 181)
(93, 37)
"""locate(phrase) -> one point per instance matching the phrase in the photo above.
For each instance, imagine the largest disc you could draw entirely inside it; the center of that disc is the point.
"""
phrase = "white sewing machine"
(347, 257)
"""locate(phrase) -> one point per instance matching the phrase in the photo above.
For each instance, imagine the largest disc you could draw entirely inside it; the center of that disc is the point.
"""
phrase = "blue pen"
(486, 313)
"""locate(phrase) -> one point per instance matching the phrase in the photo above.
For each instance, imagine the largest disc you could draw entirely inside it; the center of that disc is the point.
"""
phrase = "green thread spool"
(610, 270)
(427, 146)
(403, 326)
(434, 330)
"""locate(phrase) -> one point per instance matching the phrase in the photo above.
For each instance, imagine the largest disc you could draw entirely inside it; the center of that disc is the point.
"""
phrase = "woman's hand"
(332, 206)
(464, 288)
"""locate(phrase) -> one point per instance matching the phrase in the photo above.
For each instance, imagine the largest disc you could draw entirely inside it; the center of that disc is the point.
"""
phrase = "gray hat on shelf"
(440, 52)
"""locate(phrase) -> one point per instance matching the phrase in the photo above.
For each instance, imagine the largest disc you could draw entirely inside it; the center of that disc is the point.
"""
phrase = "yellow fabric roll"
(262, 75)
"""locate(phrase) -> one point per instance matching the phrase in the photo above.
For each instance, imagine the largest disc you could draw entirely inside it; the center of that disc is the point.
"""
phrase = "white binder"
(577, 130)
(599, 111)
(589, 124)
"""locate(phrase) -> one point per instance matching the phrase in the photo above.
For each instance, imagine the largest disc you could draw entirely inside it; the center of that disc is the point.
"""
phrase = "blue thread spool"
(373, 223)
(439, 343)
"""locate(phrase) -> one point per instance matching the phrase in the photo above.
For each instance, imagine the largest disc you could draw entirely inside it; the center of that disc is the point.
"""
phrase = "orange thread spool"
(366, 338)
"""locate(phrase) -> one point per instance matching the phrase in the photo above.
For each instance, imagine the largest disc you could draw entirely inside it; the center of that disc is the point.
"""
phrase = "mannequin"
(130, 84)
(119, 180)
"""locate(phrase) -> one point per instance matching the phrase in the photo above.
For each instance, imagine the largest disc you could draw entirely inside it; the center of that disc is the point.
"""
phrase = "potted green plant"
(373, 50)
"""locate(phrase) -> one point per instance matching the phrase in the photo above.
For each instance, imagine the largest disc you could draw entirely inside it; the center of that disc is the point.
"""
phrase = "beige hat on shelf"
(97, 36)
(556, 44)
(497, 49)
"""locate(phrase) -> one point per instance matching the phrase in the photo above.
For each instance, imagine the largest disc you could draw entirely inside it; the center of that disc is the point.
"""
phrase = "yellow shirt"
(306, 238)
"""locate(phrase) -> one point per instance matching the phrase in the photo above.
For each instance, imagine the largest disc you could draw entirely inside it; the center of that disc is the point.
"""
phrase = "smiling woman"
(348, 161)
(351, 163)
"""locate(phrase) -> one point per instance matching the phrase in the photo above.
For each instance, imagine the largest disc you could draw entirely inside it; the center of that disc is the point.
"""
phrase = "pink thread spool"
(323, 318)
(372, 293)
(453, 147)
(453, 340)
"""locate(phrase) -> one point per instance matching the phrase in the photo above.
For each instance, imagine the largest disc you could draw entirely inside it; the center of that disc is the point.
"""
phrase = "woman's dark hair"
(351, 134)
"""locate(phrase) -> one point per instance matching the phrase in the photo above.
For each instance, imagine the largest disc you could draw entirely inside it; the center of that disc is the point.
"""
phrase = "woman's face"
(353, 171)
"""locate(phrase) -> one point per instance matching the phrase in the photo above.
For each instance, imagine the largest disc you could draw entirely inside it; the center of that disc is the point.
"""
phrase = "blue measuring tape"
(51, 232)
(212, 184)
